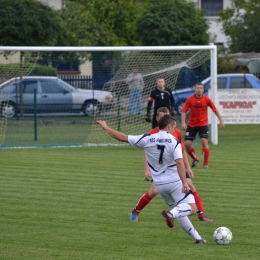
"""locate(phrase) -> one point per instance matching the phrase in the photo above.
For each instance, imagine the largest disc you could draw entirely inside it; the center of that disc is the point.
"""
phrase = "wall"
(55, 4)
(215, 27)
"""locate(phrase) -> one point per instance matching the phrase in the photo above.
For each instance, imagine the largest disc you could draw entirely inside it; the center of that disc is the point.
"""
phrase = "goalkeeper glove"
(172, 112)
(148, 118)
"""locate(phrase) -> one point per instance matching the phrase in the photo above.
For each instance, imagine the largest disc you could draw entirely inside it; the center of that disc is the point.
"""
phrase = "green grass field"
(74, 203)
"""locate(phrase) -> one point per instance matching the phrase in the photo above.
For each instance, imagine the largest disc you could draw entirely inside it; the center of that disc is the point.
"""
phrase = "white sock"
(181, 210)
(187, 226)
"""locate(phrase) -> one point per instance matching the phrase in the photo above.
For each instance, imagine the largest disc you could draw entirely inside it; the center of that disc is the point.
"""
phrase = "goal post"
(107, 70)
(214, 87)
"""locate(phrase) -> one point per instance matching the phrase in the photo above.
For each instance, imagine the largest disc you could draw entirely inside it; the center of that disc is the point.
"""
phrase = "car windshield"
(206, 84)
(12, 82)
(66, 85)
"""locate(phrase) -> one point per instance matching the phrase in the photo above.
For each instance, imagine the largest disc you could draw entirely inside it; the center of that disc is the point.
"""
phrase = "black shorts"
(187, 176)
(191, 132)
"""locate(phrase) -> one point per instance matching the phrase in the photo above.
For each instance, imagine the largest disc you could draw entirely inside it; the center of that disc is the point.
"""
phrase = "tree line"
(123, 23)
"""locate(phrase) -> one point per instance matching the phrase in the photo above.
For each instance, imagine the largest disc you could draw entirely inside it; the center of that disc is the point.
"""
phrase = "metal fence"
(257, 75)
(78, 81)
(86, 82)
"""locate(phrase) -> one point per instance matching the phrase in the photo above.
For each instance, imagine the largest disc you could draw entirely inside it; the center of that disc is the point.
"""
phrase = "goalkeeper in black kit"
(162, 97)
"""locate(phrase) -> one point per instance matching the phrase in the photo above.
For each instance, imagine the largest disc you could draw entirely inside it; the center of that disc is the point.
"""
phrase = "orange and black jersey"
(198, 110)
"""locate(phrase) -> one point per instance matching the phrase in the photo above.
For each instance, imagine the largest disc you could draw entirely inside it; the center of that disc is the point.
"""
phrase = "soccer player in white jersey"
(164, 156)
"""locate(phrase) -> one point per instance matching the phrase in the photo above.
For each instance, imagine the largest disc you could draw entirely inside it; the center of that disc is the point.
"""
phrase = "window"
(212, 7)
(239, 82)
(12, 88)
(51, 86)
(220, 45)
(222, 82)
(29, 86)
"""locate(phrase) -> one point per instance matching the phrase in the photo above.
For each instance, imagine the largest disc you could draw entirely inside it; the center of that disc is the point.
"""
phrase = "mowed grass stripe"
(75, 203)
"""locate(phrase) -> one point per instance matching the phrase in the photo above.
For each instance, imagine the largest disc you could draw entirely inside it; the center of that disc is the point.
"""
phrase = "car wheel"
(8, 110)
(179, 107)
(90, 108)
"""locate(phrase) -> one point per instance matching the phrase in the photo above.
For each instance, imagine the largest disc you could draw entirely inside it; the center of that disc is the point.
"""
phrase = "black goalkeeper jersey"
(162, 98)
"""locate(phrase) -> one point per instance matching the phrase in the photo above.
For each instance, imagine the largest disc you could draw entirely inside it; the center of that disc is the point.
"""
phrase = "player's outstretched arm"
(113, 133)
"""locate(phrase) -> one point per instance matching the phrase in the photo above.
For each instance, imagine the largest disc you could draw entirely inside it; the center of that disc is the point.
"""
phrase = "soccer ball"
(222, 236)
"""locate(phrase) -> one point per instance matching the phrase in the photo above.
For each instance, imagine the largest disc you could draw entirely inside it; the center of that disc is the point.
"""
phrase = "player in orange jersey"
(198, 105)
(149, 195)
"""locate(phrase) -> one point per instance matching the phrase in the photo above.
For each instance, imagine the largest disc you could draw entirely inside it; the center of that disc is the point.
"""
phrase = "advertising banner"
(239, 106)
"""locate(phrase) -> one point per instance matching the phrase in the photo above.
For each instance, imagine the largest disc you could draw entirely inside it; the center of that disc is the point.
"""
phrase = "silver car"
(53, 95)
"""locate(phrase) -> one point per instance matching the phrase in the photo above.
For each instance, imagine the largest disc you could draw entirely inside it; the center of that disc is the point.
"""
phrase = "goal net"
(52, 96)
(13, 64)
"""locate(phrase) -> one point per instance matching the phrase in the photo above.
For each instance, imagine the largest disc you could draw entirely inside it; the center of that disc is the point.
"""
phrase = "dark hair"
(166, 120)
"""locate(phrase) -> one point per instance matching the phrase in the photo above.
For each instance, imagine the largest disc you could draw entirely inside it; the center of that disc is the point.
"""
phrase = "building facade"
(55, 4)
(212, 8)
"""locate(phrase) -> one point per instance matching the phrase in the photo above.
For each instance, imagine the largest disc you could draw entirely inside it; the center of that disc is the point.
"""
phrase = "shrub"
(30, 69)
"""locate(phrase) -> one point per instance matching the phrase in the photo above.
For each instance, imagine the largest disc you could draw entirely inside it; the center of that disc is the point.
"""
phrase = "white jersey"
(161, 150)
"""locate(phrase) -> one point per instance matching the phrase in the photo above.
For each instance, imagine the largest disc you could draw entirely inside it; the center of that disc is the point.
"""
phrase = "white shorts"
(173, 195)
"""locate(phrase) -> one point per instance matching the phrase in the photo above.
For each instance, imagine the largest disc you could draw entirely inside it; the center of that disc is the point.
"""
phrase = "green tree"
(116, 19)
(172, 22)
(241, 24)
(112, 23)
(77, 29)
(28, 23)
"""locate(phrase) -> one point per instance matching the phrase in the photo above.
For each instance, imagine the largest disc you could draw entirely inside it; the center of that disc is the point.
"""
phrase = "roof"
(252, 64)
(250, 60)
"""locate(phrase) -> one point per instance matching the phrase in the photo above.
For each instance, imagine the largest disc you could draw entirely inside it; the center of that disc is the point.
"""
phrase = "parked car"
(225, 81)
(53, 95)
